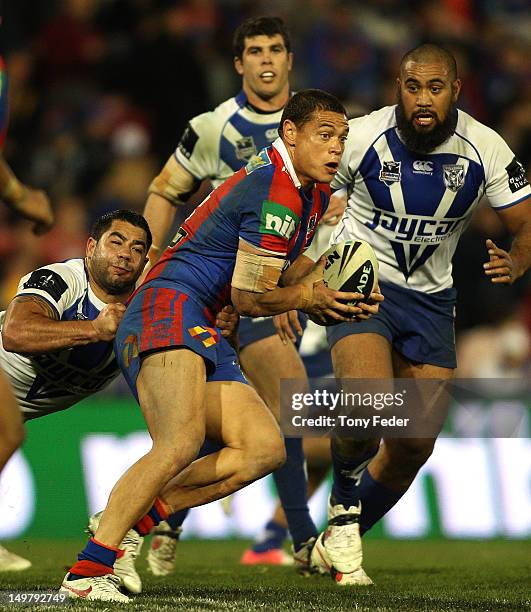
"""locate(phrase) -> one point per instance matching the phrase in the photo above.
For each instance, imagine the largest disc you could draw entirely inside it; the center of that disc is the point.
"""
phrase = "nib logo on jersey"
(277, 220)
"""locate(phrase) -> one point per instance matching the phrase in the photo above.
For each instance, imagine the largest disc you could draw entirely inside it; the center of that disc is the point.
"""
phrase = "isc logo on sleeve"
(277, 220)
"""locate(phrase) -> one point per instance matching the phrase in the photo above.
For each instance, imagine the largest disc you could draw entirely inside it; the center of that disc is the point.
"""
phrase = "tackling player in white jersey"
(415, 174)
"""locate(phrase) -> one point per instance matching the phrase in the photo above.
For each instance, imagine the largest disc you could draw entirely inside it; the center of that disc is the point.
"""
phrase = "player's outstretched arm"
(31, 326)
(171, 187)
(31, 204)
(505, 267)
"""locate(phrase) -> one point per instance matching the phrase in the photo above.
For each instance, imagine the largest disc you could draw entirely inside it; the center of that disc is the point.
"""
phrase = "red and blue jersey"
(262, 204)
(3, 102)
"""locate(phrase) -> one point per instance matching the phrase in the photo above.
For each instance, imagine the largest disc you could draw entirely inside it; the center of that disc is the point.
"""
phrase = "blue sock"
(176, 519)
(292, 489)
(344, 487)
(94, 560)
(376, 500)
(272, 536)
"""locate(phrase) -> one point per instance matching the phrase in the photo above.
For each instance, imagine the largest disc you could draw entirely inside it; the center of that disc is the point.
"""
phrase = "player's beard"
(99, 270)
(425, 142)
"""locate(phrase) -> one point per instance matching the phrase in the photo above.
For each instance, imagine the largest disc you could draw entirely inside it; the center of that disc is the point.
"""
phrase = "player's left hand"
(371, 306)
(287, 325)
(227, 321)
(36, 207)
(500, 267)
(335, 210)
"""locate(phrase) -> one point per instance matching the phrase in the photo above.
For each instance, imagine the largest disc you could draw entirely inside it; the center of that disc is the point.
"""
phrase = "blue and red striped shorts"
(163, 318)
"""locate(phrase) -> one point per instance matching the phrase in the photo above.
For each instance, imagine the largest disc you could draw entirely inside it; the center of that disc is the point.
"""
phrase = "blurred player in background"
(415, 173)
(233, 248)
(34, 206)
(214, 146)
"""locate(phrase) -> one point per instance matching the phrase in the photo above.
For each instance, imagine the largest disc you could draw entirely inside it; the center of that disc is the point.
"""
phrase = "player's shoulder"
(374, 123)
(479, 135)
(56, 279)
(215, 119)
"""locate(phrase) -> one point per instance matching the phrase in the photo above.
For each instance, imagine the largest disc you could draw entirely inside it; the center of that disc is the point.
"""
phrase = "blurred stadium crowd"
(101, 90)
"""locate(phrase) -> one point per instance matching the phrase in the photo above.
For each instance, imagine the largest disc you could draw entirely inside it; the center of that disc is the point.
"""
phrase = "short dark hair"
(102, 224)
(259, 26)
(428, 52)
(303, 104)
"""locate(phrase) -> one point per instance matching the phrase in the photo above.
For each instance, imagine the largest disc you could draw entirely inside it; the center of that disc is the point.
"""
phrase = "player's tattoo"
(42, 304)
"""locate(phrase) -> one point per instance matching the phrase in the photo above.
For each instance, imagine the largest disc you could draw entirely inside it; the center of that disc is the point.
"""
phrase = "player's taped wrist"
(305, 297)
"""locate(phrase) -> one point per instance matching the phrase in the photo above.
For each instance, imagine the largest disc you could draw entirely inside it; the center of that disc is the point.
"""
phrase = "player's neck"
(267, 106)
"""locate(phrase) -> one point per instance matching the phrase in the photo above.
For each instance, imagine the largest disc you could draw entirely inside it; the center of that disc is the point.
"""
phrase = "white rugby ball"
(352, 266)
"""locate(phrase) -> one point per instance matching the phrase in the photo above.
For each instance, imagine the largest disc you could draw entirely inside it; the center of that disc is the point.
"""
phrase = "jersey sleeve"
(197, 150)
(58, 284)
(265, 224)
(506, 180)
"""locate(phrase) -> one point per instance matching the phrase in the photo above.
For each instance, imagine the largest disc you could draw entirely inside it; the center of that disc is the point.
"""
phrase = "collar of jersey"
(93, 298)
(283, 152)
(242, 101)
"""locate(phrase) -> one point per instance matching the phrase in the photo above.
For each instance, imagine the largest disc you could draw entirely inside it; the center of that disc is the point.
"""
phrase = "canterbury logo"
(423, 166)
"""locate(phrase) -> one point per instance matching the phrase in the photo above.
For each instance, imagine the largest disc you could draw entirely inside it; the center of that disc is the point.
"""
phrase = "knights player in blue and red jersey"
(233, 248)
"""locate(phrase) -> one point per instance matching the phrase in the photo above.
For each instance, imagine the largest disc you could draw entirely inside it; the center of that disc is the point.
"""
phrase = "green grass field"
(427, 575)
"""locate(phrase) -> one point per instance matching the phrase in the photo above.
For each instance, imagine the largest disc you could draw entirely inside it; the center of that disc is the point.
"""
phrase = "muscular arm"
(255, 292)
(507, 267)
(31, 327)
(299, 268)
(32, 204)
(171, 187)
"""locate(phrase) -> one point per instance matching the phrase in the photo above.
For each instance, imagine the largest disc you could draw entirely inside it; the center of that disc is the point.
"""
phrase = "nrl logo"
(245, 148)
(390, 172)
(453, 176)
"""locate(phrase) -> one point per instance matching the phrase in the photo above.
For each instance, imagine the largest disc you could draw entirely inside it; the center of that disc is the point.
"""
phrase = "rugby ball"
(352, 266)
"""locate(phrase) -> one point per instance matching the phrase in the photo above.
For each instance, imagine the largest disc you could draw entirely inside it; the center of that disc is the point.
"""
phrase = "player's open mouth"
(267, 76)
(332, 166)
(424, 119)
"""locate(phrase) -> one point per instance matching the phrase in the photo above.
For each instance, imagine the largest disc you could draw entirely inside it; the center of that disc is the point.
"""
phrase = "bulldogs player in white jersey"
(415, 174)
(56, 335)
(214, 146)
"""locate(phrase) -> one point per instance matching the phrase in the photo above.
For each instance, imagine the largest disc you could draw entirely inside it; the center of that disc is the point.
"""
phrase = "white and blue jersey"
(55, 381)
(412, 208)
(218, 143)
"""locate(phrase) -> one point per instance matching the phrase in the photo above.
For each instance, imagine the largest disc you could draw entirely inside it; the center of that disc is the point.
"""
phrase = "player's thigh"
(11, 427)
(237, 417)
(362, 356)
(265, 362)
(171, 392)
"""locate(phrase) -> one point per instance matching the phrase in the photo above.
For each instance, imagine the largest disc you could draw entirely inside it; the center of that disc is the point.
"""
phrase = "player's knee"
(173, 455)
(410, 452)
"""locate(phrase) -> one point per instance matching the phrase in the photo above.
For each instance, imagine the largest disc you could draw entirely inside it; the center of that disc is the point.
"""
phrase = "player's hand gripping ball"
(351, 266)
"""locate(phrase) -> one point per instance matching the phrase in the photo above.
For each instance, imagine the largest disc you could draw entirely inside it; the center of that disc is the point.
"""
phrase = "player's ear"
(289, 132)
(456, 88)
(91, 246)
(238, 65)
(290, 61)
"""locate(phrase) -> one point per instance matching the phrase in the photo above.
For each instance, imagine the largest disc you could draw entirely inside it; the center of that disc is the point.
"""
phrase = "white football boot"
(98, 588)
(338, 549)
(163, 550)
(124, 567)
(9, 562)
